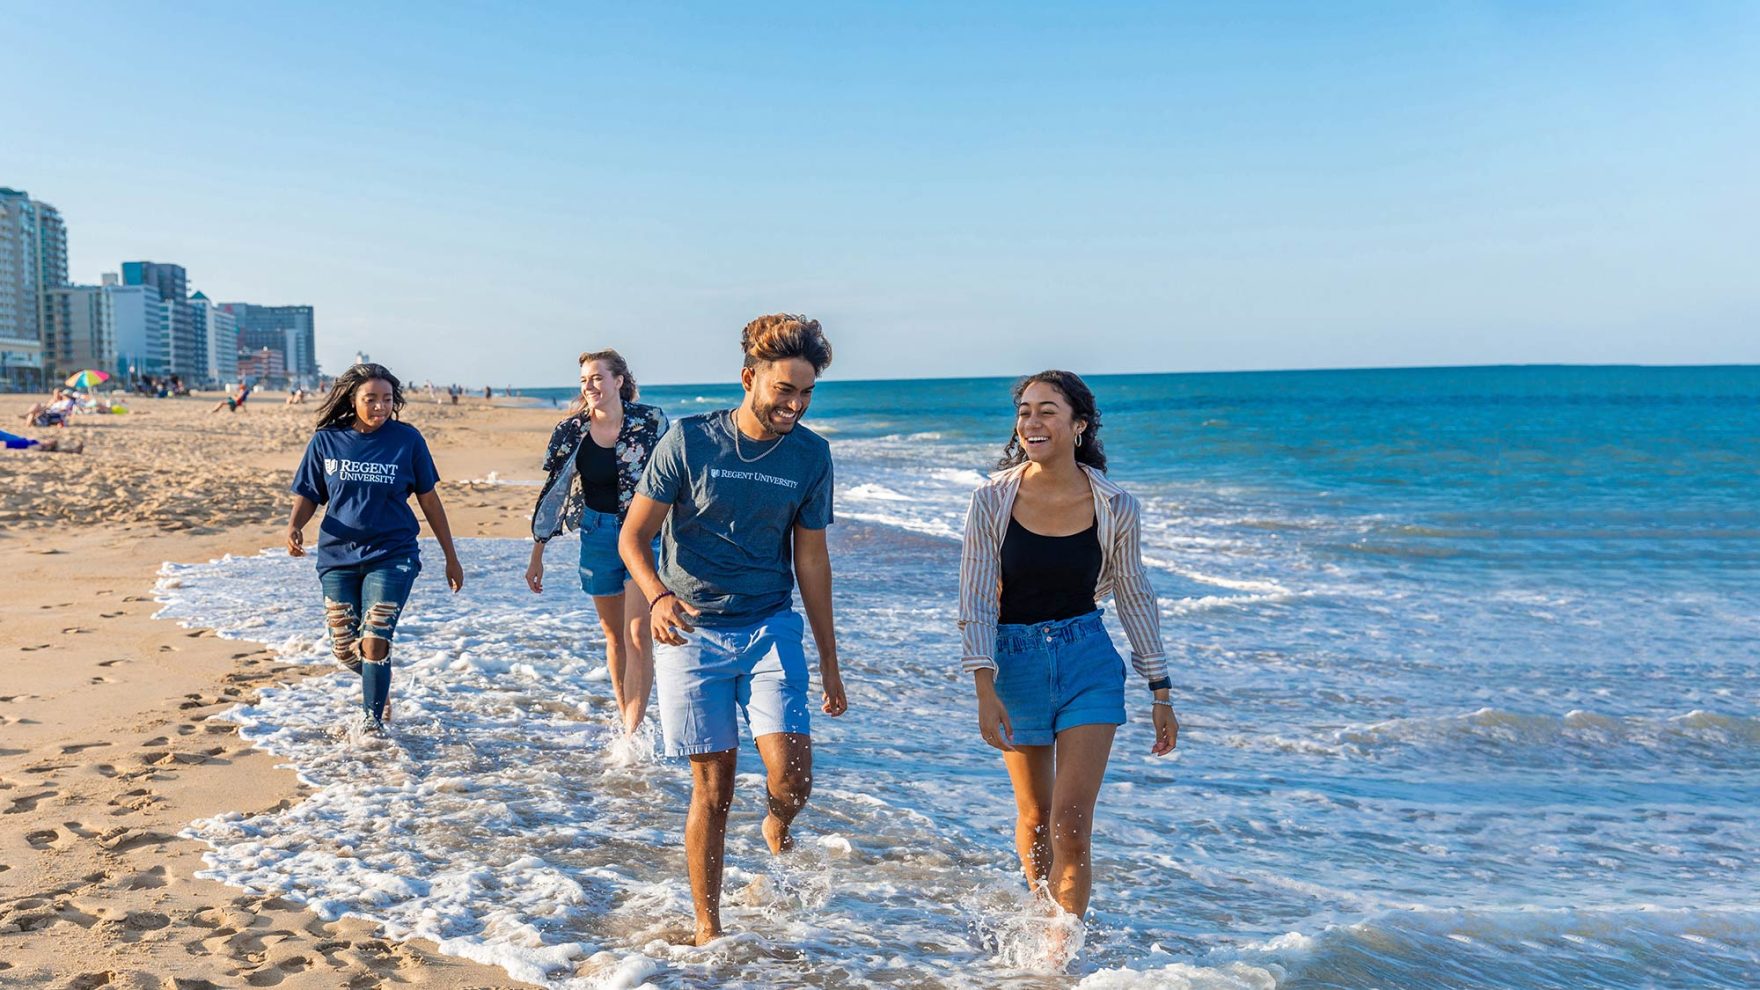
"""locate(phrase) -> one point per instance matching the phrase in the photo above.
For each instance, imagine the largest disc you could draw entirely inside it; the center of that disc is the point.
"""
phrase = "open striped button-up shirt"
(1118, 516)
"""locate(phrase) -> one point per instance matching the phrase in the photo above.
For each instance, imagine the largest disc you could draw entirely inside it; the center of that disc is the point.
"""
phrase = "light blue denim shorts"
(1052, 676)
(602, 570)
(758, 670)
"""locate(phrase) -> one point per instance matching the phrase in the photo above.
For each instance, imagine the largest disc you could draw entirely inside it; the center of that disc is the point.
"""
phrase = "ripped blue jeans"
(362, 602)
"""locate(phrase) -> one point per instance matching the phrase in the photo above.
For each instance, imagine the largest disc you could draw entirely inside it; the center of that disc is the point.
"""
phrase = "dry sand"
(106, 745)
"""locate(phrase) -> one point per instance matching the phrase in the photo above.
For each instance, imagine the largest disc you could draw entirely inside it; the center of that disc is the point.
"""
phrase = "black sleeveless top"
(1046, 578)
(597, 468)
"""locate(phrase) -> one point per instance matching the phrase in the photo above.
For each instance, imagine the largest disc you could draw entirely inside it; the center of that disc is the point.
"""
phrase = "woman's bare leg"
(1082, 753)
(1030, 770)
(638, 671)
(610, 609)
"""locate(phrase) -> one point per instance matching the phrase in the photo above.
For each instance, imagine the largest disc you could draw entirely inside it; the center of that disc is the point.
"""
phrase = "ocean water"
(1468, 664)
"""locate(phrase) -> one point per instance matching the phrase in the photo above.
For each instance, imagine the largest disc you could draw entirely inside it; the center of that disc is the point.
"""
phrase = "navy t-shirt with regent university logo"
(364, 481)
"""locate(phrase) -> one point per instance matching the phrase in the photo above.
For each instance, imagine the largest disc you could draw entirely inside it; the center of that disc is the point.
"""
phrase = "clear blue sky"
(478, 194)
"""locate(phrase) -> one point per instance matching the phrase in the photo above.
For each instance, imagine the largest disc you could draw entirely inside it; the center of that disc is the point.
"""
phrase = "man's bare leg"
(788, 759)
(705, 836)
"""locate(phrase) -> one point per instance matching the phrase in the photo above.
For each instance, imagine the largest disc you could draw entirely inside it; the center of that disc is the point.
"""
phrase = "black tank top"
(597, 467)
(1046, 578)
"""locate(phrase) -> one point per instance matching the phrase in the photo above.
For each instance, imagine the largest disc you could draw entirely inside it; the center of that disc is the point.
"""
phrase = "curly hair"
(338, 406)
(1082, 409)
(781, 336)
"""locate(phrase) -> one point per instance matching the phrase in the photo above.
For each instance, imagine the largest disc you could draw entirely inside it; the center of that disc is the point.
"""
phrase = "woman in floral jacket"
(595, 459)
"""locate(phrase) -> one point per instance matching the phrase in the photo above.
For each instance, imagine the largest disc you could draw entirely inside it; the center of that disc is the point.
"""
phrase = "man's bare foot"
(706, 935)
(777, 835)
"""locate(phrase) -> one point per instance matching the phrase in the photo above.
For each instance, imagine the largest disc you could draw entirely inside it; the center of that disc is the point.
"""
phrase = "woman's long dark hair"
(338, 407)
(1082, 408)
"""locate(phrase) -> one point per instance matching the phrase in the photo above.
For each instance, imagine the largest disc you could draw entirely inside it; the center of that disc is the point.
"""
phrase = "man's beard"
(762, 411)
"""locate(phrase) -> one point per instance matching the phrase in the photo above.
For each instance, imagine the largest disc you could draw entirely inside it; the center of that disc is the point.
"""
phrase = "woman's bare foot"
(777, 835)
(707, 935)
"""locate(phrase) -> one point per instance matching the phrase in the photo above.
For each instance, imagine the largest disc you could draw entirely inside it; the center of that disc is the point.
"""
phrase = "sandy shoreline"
(106, 748)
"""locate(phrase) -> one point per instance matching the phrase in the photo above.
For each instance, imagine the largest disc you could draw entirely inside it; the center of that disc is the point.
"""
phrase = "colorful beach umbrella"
(87, 378)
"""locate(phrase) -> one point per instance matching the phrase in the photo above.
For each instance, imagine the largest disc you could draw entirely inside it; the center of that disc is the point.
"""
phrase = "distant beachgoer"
(12, 441)
(488, 393)
(234, 400)
(745, 496)
(1047, 538)
(296, 396)
(363, 464)
(595, 459)
(58, 411)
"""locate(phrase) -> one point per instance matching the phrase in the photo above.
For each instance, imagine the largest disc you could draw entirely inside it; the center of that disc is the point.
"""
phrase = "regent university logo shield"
(330, 465)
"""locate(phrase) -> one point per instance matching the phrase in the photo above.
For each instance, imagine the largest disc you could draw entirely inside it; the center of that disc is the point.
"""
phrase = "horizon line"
(1239, 371)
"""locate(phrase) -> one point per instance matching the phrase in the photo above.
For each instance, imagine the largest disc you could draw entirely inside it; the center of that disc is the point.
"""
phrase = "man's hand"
(296, 542)
(835, 701)
(454, 575)
(668, 616)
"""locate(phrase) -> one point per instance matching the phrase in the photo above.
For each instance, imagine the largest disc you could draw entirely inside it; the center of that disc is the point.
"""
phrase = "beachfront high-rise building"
(287, 330)
(80, 331)
(219, 332)
(139, 328)
(183, 351)
(33, 259)
(172, 281)
(263, 364)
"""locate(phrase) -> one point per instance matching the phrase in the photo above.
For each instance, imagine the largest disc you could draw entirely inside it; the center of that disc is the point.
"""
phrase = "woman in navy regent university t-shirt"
(362, 465)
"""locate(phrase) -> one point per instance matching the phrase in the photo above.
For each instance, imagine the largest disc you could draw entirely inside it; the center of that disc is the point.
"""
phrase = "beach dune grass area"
(107, 750)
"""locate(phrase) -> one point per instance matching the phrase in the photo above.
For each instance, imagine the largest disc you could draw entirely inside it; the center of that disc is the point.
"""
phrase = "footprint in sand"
(122, 839)
(81, 747)
(112, 663)
(74, 630)
(29, 803)
(103, 680)
(151, 879)
(33, 649)
(42, 838)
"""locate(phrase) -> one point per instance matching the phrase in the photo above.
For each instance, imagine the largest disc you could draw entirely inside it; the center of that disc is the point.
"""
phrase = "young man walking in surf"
(744, 495)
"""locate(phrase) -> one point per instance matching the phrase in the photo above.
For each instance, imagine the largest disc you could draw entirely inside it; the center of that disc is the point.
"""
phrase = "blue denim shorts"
(1052, 676)
(602, 570)
(758, 670)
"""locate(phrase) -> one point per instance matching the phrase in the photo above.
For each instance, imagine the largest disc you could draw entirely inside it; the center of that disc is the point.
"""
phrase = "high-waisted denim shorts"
(1052, 676)
(601, 569)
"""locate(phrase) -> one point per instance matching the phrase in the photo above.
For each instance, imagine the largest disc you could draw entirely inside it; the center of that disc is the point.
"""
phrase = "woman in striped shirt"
(1046, 538)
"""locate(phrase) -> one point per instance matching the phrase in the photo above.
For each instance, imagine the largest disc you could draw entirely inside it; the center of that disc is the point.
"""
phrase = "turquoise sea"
(1468, 663)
